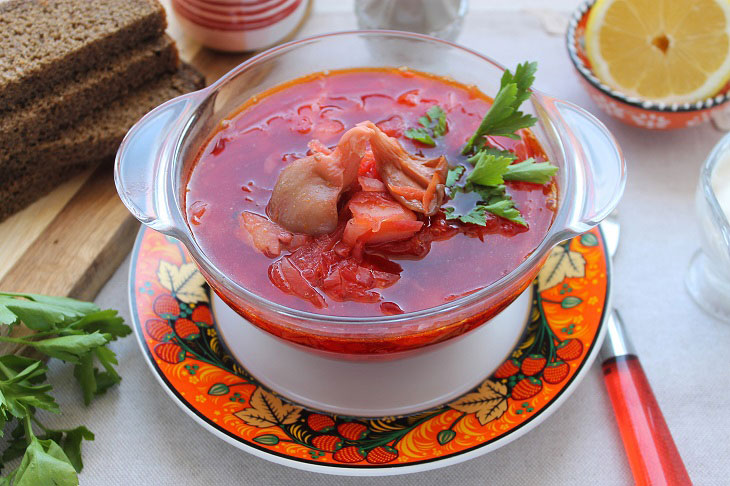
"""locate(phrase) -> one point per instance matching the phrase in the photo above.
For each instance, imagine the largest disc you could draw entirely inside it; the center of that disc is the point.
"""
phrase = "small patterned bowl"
(243, 25)
(628, 109)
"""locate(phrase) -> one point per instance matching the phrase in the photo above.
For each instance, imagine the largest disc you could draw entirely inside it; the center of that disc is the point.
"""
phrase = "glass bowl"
(708, 277)
(157, 153)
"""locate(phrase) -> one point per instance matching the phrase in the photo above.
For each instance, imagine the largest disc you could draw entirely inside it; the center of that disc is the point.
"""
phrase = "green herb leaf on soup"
(433, 126)
(504, 118)
(484, 191)
(437, 116)
(454, 175)
(420, 135)
(498, 202)
(530, 171)
(471, 203)
(504, 207)
(476, 215)
(488, 169)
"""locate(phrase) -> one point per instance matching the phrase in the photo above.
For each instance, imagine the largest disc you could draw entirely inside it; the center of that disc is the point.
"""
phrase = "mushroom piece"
(267, 237)
(305, 196)
(415, 182)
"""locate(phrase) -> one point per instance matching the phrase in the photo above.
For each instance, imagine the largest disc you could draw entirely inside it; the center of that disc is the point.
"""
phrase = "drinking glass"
(708, 278)
(439, 18)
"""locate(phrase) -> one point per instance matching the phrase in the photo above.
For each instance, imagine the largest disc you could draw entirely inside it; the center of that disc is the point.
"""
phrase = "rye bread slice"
(45, 116)
(22, 192)
(94, 138)
(47, 42)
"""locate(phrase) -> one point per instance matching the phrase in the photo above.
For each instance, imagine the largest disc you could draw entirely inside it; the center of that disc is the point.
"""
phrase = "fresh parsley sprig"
(492, 169)
(492, 199)
(489, 169)
(483, 190)
(433, 125)
(73, 331)
(504, 117)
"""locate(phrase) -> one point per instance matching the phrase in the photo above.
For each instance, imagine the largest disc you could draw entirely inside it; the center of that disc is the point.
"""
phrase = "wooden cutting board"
(71, 241)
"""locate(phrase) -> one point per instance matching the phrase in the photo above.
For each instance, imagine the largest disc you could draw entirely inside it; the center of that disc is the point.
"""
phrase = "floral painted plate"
(176, 328)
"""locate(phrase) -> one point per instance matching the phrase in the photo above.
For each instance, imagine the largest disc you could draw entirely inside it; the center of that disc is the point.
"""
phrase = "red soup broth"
(237, 169)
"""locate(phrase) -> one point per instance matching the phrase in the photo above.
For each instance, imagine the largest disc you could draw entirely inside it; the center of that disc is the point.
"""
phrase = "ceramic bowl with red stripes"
(240, 25)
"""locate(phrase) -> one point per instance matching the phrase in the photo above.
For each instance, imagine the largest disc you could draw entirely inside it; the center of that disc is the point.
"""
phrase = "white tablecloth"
(142, 437)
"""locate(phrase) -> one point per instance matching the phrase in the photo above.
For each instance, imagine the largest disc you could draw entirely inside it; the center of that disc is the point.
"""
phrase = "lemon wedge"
(666, 51)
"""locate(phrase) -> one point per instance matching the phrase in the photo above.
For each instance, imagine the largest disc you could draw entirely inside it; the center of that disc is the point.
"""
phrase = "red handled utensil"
(652, 454)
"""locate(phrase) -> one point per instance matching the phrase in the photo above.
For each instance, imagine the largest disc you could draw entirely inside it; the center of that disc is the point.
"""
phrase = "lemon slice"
(668, 51)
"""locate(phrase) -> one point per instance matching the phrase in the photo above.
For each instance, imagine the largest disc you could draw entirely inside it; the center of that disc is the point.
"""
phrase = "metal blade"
(611, 231)
(616, 342)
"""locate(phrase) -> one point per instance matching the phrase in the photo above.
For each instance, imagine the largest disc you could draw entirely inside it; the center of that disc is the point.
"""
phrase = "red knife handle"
(653, 457)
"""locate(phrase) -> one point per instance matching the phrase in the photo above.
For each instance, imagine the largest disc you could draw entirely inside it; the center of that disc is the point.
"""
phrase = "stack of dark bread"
(75, 75)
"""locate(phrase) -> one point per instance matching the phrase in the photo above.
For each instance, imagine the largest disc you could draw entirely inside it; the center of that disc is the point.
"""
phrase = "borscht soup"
(370, 192)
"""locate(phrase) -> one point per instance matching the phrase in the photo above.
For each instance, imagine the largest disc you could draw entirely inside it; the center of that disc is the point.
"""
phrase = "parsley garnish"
(503, 117)
(433, 126)
(483, 190)
(488, 169)
(494, 199)
(454, 175)
(498, 202)
(530, 171)
(73, 331)
(492, 169)
(477, 215)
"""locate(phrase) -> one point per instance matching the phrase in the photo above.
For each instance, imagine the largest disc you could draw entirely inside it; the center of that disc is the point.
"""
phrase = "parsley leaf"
(41, 312)
(84, 374)
(16, 445)
(488, 168)
(499, 203)
(69, 440)
(420, 135)
(438, 120)
(496, 152)
(21, 390)
(454, 175)
(471, 203)
(504, 118)
(44, 462)
(94, 382)
(476, 215)
(493, 167)
(530, 171)
(109, 377)
(434, 125)
(106, 322)
(506, 209)
(524, 77)
(70, 348)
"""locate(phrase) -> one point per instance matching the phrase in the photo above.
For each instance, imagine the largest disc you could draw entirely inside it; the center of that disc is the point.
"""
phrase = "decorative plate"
(170, 308)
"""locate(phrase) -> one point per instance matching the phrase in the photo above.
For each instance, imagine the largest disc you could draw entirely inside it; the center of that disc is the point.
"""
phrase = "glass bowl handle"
(144, 162)
(595, 160)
